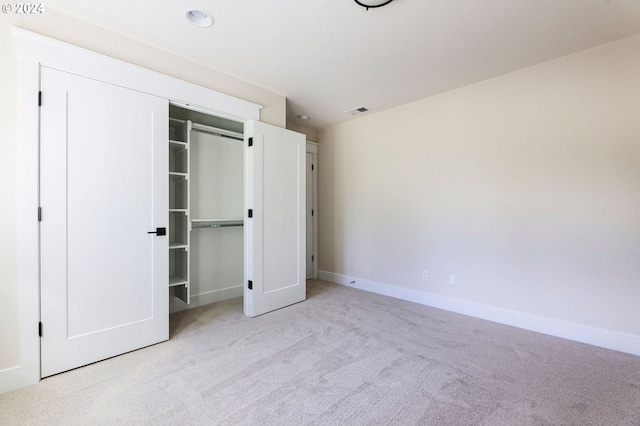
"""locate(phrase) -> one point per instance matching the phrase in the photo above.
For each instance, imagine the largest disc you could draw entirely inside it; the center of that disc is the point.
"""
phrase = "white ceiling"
(329, 56)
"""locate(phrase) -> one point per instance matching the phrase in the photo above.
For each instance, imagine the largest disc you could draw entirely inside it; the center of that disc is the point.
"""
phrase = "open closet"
(206, 208)
(237, 212)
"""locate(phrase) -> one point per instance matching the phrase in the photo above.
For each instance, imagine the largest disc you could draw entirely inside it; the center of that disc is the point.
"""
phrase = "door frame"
(36, 51)
(312, 148)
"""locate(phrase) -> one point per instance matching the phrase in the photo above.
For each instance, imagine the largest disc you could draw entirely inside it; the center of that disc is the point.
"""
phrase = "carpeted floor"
(343, 357)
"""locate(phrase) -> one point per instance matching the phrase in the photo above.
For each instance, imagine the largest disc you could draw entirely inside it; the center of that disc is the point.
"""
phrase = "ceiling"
(330, 56)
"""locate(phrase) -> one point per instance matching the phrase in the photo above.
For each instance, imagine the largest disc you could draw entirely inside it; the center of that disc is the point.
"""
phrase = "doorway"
(312, 210)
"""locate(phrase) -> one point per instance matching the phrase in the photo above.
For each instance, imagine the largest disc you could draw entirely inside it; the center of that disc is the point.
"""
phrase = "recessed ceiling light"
(200, 18)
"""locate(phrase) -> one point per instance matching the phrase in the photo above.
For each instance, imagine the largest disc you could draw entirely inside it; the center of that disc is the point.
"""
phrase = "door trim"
(27, 371)
(34, 52)
(312, 148)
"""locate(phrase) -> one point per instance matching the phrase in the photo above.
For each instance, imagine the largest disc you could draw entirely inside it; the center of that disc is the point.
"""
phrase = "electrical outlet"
(452, 279)
(425, 275)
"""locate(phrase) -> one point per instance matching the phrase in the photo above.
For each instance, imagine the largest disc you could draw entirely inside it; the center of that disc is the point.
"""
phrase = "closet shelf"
(179, 225)
(177, 145)
(178, 246)
(176, 281)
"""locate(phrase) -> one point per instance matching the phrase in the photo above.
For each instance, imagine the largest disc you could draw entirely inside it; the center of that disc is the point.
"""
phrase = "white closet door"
(275, 234)
(104, 186)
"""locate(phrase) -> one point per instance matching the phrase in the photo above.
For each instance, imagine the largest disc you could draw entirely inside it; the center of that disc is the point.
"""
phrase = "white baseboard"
(202, 299)
(623, 342)
(15, 378)
(8, 379)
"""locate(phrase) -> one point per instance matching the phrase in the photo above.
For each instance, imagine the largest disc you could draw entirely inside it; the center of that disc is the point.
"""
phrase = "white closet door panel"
(280, 215)
(104, 186)
(275, 235)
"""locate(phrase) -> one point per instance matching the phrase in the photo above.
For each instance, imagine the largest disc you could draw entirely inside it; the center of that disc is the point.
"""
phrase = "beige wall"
(68, 29)
(526, 186)
(311, 134)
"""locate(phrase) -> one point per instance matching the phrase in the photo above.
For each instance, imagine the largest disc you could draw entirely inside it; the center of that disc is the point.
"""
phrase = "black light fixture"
(369, 4)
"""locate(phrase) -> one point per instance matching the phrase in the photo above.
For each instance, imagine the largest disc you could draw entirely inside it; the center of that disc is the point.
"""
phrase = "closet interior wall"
(207, 204)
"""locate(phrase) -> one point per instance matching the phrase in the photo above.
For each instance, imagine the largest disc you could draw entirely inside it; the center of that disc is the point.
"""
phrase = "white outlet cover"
(425, 275)
(452, 279)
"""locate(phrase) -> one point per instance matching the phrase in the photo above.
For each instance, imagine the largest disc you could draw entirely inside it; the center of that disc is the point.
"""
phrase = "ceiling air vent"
(357, 111)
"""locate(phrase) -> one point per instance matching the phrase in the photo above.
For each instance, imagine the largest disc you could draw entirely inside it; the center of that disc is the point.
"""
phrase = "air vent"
(357, 111)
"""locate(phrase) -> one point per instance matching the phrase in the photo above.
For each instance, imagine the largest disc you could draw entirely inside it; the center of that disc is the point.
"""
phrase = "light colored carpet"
(343, 357)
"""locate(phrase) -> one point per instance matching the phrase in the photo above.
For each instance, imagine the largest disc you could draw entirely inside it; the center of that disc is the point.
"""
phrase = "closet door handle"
(159, 231)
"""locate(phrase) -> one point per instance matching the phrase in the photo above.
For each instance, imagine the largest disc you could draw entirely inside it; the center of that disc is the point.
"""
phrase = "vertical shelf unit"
(179, 224)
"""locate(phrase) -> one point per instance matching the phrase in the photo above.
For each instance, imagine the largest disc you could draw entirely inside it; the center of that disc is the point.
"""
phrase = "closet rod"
(216, 131)
(223, 225)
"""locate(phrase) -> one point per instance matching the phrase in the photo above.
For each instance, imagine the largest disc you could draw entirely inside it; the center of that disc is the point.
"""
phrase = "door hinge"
(250, 141)
(313, 212)
(250, 213)
(39, 214)
(40, 98)
(40, 329)
(250, 285)
(313, 258)
(312, 167)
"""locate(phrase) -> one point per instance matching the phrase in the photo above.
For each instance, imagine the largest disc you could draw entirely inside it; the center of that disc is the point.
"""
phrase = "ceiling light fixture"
(303, 117)
(369, 4)
(199, 18)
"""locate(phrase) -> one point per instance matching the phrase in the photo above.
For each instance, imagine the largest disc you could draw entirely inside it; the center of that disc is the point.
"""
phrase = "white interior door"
(275, 233)
(310, 215)
(103, 188)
